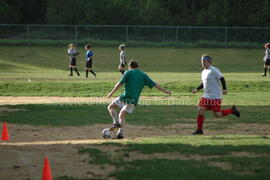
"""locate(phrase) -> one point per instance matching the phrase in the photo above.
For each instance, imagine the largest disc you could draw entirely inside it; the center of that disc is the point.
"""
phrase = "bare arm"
(116, 87)
(162, 89)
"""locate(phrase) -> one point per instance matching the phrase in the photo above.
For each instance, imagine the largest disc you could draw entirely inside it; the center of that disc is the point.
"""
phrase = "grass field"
(158, 143)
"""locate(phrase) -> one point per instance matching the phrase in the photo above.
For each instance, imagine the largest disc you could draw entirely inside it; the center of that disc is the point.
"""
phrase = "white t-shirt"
(122, 57)
(267, 54)
(211, 83)
(72, 53)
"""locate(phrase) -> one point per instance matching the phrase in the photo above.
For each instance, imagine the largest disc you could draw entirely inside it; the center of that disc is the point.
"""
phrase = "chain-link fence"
(108, 35)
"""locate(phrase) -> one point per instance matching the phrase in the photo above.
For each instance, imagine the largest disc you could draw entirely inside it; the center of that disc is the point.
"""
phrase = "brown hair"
(88, 46)
(133, 64)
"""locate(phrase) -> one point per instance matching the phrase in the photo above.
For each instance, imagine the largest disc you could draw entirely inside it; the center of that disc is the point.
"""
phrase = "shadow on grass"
(184, 161)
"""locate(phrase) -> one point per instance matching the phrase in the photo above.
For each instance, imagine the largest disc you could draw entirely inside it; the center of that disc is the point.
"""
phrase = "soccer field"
(158, 143)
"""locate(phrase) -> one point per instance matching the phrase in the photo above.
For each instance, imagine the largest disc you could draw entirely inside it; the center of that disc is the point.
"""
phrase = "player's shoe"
(235, 111)
(263, 74)
(115, 126)
(120, 134)
(197, 132)
(70, 75)
(78, 74)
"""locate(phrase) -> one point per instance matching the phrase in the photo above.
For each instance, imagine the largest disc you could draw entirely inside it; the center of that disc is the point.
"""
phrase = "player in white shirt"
(266, 59)
(212, 97)
(122, 64)
(72, 54)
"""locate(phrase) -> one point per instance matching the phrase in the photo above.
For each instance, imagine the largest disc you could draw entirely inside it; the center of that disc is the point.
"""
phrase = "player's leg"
(112, 110)
(94, 74)
(86, 72)
(224, 112)
(128, 108)
(216, 108)
(268, 67)
(202, 107)
(75, 68)
(77, 71)
(121, 68)
(71, 70)
(265, 70)
(122, 120)
(200, 120)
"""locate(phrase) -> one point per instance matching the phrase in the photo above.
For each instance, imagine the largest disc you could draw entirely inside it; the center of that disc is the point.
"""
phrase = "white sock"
(120, 130)
(115, 120)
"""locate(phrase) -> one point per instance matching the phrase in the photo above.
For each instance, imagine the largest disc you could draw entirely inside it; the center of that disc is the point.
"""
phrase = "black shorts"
(122, 65)
(267, 62)
(88, 64)
(73, 62)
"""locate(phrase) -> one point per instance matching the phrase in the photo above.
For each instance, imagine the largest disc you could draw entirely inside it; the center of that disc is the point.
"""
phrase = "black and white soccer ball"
(106, 134)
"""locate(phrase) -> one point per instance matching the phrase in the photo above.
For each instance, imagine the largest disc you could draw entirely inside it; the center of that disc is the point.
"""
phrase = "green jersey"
(134, 81)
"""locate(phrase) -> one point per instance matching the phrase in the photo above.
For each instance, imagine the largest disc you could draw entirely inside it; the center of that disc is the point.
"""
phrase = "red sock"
(200, 120)
(226, 112)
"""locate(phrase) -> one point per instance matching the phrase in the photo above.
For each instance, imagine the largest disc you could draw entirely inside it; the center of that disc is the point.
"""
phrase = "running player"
(72, 54)
(122, 64)
(266, 59)
(212, 97)
(134, 81)
(89, 61)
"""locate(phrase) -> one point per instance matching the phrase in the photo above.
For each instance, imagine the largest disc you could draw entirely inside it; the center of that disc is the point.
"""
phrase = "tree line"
(231, 13)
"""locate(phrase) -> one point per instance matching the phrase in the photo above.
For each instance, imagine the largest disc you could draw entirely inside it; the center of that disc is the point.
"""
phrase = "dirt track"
(12, 100)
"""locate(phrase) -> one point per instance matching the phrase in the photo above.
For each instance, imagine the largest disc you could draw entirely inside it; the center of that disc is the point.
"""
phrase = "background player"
(212, 97)
(134, 81)
(89, 61)
(72, 54)
(266, 59)
(122, 64)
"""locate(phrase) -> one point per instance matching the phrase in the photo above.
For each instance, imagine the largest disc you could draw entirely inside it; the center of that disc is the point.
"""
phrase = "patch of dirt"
(26, 162)
(5, 109)
(221, 165)
(248, 154)
(13, 100)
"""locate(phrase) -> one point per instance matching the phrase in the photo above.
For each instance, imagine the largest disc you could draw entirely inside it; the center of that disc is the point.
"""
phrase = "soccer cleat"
(198, 132)
(78, 74)
(263, 74)
(115, 126)
(120, 136)
(70, 75)
(235, 111)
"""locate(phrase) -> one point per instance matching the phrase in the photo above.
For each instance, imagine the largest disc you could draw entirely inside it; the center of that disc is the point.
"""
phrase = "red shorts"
(211, 104)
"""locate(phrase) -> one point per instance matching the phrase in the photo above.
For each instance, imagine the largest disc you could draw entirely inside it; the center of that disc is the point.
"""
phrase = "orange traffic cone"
(47, 173)
(5, 132)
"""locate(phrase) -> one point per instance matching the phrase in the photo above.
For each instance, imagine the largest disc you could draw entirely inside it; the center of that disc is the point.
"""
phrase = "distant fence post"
(76, 35)
(126, 33)
(226, 37)
(176, 36)
(28, 34)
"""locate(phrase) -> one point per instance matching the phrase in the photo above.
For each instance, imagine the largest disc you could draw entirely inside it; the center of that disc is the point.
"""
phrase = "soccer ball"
(106, 134)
